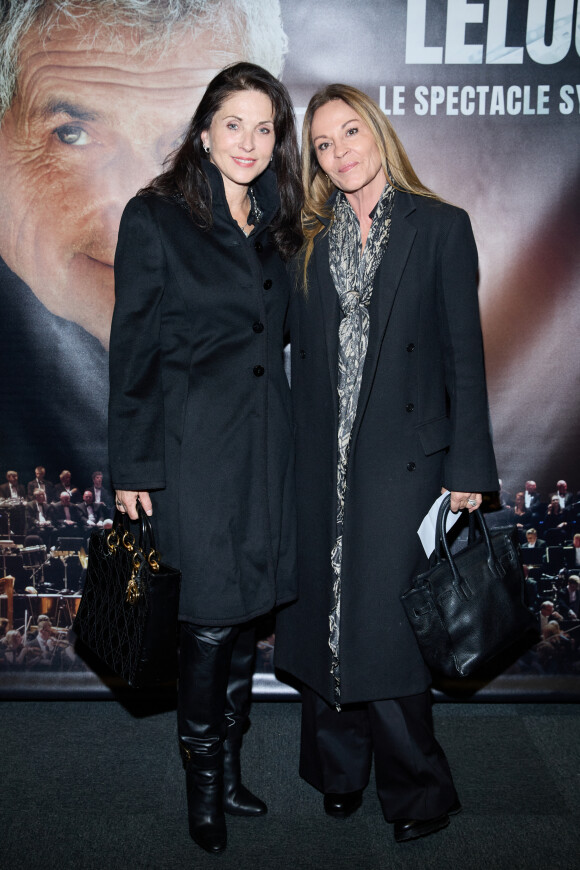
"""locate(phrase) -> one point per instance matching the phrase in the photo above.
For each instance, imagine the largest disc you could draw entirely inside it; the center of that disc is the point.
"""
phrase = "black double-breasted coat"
(421, 423)
(200, 406)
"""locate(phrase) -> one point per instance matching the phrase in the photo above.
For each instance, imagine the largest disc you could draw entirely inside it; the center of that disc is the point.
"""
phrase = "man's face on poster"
(88, 127)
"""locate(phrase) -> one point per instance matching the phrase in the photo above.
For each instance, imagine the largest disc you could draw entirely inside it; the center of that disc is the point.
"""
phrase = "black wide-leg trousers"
(412, 775)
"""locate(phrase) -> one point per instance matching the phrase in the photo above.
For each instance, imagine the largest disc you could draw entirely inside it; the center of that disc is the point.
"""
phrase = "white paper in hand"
(426, 530)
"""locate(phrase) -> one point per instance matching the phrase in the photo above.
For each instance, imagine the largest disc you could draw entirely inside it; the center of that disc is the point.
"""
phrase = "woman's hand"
(126, 501)
(462, 500)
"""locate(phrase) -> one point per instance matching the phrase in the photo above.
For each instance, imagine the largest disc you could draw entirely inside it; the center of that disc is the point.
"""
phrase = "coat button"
(302, 354)
(411, 466)
(410, 407)
(410, 347)
(258, 327)
(259, 371)
(267, 284)
(258, 247)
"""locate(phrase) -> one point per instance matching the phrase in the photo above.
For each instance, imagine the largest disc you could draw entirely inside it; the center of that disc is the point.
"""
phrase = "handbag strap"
(146, 542)
(144, 553)
(441, 539)
(472, 533)
(122, 524)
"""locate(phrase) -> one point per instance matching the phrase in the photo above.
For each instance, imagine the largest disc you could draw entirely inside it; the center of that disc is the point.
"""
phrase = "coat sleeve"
(470, 462)
(136, 414)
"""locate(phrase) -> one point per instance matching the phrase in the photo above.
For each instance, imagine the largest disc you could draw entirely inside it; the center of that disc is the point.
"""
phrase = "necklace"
(254, 214)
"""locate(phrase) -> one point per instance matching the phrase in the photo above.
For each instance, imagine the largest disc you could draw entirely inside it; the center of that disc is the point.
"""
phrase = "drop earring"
(206, 149)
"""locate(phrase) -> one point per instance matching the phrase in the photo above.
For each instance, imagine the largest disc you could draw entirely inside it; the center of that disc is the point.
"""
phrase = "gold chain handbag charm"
(133, 591)
(128, 542)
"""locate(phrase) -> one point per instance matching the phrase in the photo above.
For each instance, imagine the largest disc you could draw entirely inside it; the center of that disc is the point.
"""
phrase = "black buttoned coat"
(421, 423)
(200, 406)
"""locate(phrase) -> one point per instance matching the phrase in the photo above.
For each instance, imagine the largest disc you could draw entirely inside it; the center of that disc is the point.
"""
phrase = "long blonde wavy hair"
(318, 188)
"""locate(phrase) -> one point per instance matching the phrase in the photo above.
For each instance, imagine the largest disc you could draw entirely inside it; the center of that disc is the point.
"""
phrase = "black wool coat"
(421, 423)
(200, 406)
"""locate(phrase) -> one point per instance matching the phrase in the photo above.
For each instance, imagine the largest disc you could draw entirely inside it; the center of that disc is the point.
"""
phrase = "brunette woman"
(200, 423)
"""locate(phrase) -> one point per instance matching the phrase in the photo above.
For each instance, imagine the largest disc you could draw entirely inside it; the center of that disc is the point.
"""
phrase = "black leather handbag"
(470, 605)
(127, 615)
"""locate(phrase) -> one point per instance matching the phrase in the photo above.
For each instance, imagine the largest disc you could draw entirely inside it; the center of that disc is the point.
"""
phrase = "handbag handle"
(143, 552)
(441, 538)
(122, 527)
(123, 521)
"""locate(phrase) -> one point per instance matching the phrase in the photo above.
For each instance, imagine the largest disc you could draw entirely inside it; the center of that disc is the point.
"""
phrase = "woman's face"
(241, 138)
(346, 148)
(520, 499)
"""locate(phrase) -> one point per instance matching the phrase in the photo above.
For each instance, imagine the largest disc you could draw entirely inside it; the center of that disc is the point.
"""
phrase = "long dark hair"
(184, 173)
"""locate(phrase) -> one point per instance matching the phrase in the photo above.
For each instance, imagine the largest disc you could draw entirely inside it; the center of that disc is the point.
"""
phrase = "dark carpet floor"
(91, 785)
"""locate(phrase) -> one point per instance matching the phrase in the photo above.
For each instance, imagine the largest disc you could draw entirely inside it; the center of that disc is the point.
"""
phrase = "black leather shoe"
(411, 829)
(207, 825)
(238, 800)
(341, 806)
(211, 837)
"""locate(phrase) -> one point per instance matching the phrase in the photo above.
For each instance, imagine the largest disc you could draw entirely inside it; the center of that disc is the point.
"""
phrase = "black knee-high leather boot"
(238, 800)
(204, 666)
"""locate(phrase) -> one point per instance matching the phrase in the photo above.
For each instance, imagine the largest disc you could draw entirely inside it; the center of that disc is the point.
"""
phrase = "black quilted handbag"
(470, 605)
(127, 615)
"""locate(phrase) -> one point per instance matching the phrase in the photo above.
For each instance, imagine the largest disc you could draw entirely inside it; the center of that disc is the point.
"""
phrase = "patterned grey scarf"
(353, 277)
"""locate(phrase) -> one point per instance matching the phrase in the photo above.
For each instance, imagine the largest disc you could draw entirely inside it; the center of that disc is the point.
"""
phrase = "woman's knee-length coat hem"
(200, 407)
(421, 423)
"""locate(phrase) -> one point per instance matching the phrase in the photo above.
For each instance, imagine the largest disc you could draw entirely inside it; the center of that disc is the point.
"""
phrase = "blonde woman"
(390, 407)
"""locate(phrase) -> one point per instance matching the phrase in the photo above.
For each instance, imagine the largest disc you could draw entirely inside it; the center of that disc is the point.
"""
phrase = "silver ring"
(472, 502)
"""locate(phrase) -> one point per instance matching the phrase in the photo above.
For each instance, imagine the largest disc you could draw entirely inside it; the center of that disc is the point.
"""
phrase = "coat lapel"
(330, 314)
(385, 289)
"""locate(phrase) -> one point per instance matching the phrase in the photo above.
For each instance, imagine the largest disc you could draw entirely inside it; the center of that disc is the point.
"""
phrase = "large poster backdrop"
(486, 99)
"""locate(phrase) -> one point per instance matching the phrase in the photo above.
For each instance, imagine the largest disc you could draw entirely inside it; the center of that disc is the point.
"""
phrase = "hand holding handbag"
(128, 611)
(470, 605)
